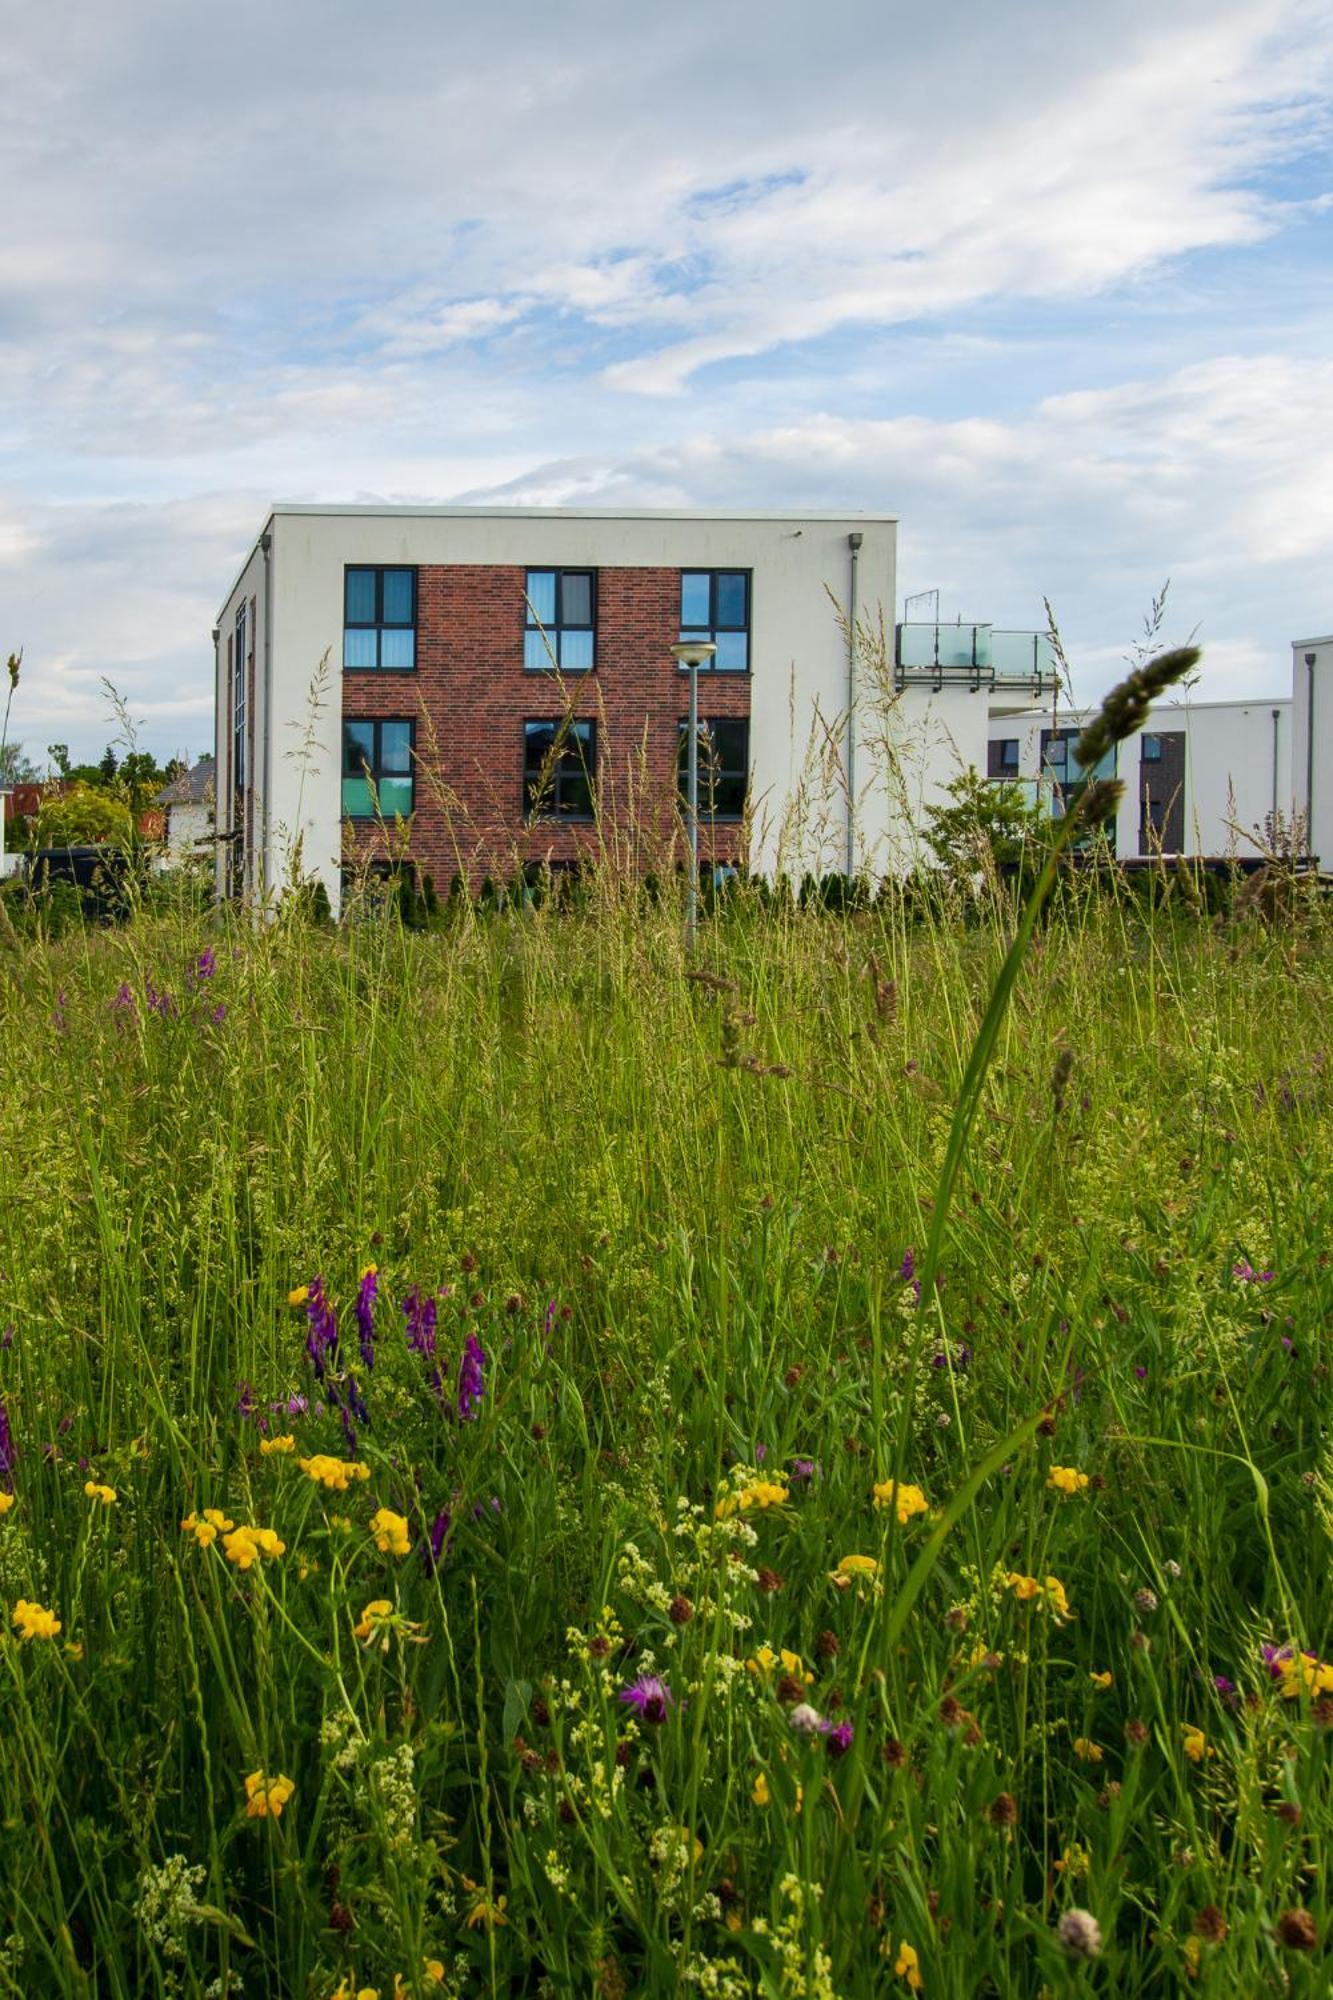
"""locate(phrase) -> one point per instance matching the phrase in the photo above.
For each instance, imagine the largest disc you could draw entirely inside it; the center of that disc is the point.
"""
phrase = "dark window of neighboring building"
(559, 769)
(1152, 749)
(724, 766)
(1009, 753)
(380, 620)
(377, 768)
(238, 690)
(560, 620)
(715, 606)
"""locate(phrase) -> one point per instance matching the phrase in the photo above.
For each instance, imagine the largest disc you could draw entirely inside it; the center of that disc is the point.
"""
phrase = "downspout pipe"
(266, 544)
(1309, 752)
(1277, 718)
(854, 545)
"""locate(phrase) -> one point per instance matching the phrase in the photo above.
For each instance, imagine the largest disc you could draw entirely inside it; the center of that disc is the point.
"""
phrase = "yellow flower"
(793, 1666)
(266, 1797)
(371, 1271)
(6, 1502)
(208, 1527)
(1050, 1595)
(1074, 1861)
(282, 1444)
(373, 1618)
(759, 1493)
(1302, 1673)
(390, 1531)
(32, 1622)
(335, 1473)
(905, 1500)
(1091, 1753)
(908, 1966)
(244, 1546)
(299, 1296)
(1065, 1479)
(1102, 1681)
(759, 1791)
(1196, 1744)
(74, 1649)
(483, 1910)
(106, 1494)
(432, 1974)
(849, 1566)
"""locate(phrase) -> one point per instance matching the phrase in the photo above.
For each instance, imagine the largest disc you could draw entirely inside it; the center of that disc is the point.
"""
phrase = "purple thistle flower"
(321, 1342)
(650, 1698)
(365, 1314)
(420, 1315)
(471, 1380)
(838, 1738)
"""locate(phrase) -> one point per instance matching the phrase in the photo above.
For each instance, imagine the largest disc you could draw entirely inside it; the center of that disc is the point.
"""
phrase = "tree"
(109, 764)
(988, 824)
(15, 768)
(83, 817)
(139, 779)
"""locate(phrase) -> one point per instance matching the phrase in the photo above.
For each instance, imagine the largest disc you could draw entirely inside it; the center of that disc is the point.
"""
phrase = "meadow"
(489, 1506)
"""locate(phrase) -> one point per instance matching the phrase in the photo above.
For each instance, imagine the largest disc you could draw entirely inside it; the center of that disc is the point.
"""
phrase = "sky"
(1051, 283)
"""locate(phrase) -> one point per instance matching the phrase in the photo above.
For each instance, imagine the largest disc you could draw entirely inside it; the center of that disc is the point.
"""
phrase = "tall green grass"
(675, 1211)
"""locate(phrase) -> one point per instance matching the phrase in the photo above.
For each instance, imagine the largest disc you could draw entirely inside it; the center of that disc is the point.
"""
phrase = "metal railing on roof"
(974, 656)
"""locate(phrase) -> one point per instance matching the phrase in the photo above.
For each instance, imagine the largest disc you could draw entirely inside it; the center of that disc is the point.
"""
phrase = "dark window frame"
(1007, 742)
(1153, 755)
(722, 774)
(375, 772)
(552, 809)
(559, 625)
(710, 631)
(239, 703)
(379, 625)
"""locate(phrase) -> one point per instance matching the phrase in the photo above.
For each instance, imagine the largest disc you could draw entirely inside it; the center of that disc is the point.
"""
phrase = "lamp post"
(692, 653)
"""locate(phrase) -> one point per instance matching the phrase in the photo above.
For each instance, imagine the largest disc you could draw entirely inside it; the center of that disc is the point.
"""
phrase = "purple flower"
(420, 1314)
(7, 1339)
(907, 1269)
(1247, 1274)
(471, 1380)
(8, 1449)
(650, 1698)
(297, 1405)
(58, 1012)
(801, 1469)
(321, 1342)
(838, 1738)
(124, 999)
(760, 1453)
(161, 1004)
(807, 1721)
(960, 1355)
(219, 1014)
(245, 1400)
(365, 1314)
(204, 966)
(438, 1540)
(1142, 1373)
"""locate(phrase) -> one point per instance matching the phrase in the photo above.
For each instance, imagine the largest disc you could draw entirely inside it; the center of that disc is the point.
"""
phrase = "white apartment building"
(483, 690)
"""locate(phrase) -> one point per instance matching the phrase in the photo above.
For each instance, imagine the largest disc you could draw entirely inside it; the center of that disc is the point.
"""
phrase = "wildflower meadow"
(531, 1463)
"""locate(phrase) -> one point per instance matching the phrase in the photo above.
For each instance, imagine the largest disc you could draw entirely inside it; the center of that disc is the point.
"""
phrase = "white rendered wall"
(1238, 765)
(798, 651)
(1313, 785)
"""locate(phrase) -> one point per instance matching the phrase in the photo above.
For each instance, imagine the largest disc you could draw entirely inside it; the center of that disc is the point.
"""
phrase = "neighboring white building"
(1202, 777)
(1312, 747)
(188, 806)
(382, 661)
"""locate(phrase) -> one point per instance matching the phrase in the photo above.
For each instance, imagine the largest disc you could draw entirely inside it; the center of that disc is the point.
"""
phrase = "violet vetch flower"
(321, 1342)
(420, 1315)
(649, 1697)
(365, 1313)
(801, 1469)
(124, 999)
(7, 1339)
(438, 1540)
(245, 1400)
(58, 1012)
(471, 1380)
(219, 1014)
(161, 1004)
(1247, 1274)
(204, 967)
(907, 1269)
(8, 1449)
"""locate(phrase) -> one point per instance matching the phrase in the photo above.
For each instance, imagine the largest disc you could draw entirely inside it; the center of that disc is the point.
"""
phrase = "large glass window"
(724, 766)
(379, 620)
(715, 606)
(559, 769)
(561, 620)
(378, 782)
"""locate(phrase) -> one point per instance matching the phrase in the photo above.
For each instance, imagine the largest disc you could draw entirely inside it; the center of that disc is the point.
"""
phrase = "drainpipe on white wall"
(1309, 752)
(854, 544)
(266, 544)
(1277, 716)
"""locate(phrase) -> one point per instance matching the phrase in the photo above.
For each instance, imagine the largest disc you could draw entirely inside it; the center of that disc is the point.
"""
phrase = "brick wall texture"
(471, 695)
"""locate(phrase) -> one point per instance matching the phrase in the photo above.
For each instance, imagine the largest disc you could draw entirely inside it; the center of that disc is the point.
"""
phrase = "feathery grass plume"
(1125, 708)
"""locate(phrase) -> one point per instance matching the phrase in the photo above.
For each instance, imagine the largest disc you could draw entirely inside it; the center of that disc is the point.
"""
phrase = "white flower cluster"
(168, 1903)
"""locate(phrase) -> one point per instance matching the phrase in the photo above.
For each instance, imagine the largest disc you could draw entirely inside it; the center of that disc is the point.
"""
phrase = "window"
(724, 766)
(560, 624)
(238, 718)
(715, 606)
(1008, 759)
(377, 769)
(559, 767)
(380, 620)
(1152, 749)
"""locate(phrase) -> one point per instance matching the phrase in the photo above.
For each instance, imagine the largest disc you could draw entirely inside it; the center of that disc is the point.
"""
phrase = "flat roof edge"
(426, 511)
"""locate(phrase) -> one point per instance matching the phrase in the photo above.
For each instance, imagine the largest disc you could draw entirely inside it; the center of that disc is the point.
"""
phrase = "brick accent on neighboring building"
(470, 696)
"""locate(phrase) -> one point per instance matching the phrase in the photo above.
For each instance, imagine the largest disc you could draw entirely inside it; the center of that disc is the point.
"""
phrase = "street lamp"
(693, 653)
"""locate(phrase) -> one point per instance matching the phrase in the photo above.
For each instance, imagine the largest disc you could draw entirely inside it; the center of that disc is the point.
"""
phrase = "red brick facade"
(471, 695)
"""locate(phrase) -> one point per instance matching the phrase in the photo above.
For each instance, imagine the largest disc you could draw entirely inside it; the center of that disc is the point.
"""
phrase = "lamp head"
(693, 652)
